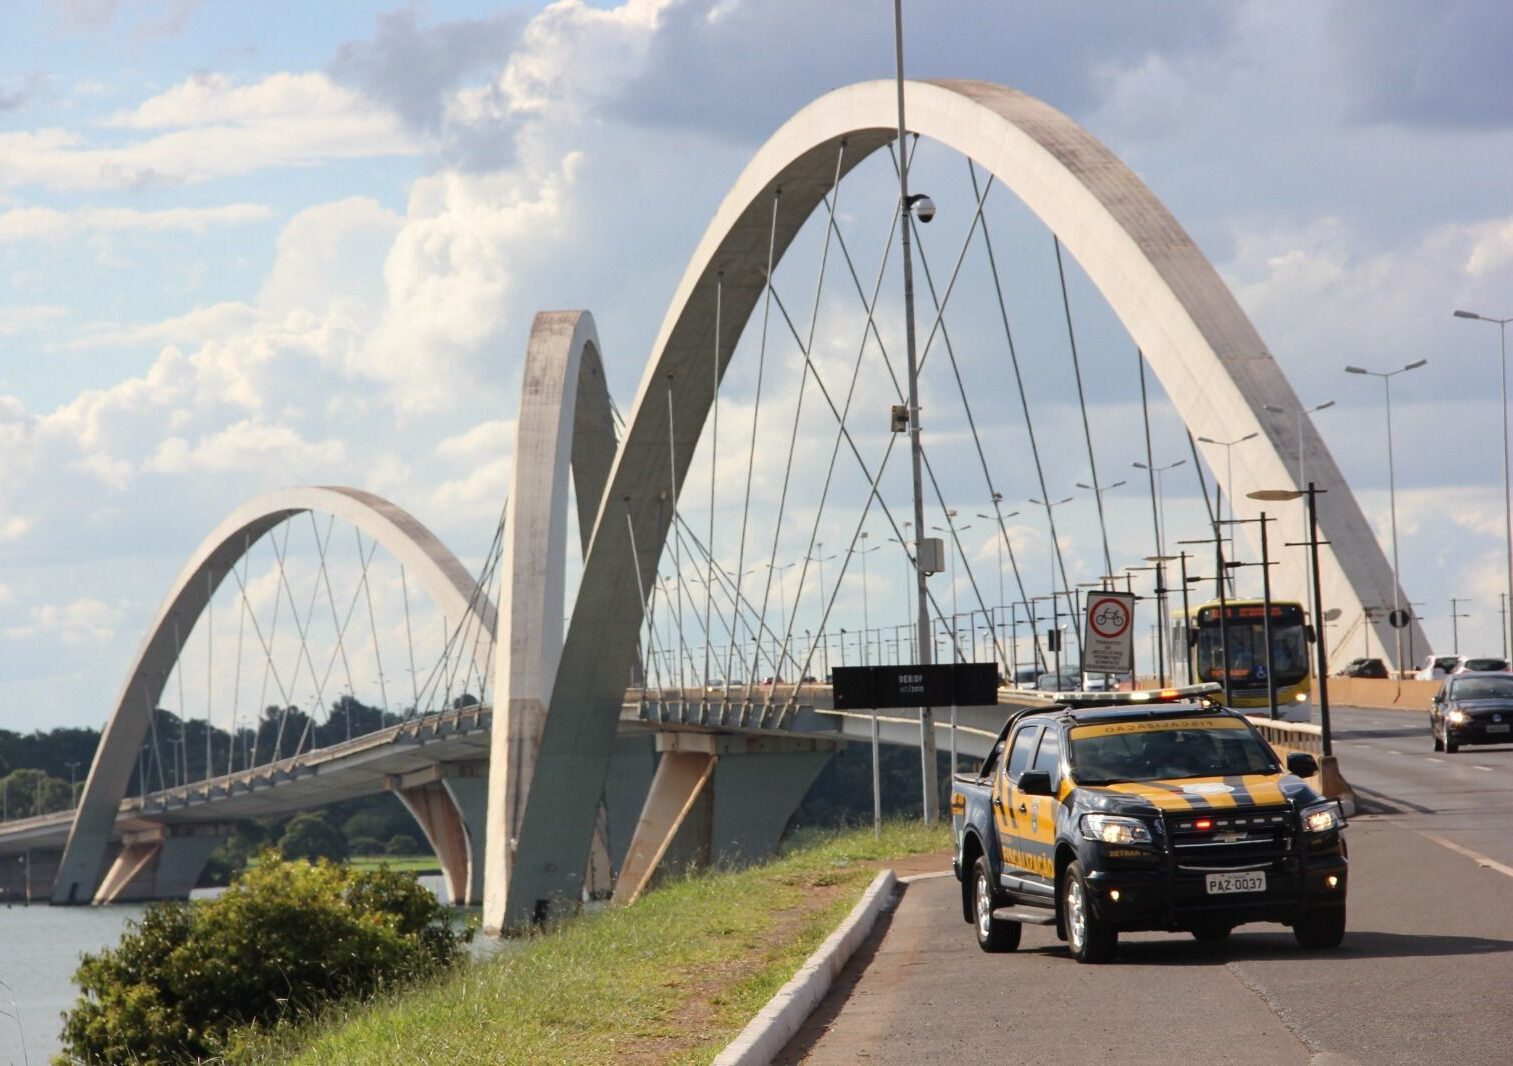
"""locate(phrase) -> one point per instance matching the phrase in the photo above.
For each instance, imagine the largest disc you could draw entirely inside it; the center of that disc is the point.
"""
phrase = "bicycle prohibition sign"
(1109, 617)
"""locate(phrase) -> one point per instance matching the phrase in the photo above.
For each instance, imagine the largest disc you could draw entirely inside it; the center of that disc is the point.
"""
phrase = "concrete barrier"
(1383, 693)
(1288, 737)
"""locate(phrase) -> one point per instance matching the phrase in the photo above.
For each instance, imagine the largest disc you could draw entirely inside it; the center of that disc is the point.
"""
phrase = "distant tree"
(365, 846)
(403, 844)
(310, 837)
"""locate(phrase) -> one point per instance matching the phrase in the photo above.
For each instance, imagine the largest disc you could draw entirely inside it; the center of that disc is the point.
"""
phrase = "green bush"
(366, 846)
(285, 939)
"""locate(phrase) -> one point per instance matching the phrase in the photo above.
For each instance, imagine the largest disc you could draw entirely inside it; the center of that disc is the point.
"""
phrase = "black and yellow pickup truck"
(1144, 816)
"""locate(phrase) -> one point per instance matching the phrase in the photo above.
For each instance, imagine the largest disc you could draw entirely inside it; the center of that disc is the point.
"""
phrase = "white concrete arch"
(1205, 351)
(565, 426)
(445, 579)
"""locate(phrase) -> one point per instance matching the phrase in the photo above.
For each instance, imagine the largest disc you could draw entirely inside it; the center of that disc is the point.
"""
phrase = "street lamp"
(954, 531)
(865, 623)
(1455, 617)
(1507, 500)
(998, 520)
(783, 619)
(73, 791)
(1301, 413)
(1397, 596)
(1318, 601)
(1098, 492)
(1229, 478)
(1050, 507)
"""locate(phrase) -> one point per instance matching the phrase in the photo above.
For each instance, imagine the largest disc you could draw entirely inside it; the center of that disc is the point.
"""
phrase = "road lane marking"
(1484, 769)
(1393, 751)
(1431, 758)
(1481, 860)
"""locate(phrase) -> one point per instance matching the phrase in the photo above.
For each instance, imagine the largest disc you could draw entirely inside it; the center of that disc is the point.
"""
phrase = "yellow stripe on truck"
(1202, 793)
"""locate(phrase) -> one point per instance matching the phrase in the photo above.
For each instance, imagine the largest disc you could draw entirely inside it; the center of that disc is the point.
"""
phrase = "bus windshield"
(1247, 650)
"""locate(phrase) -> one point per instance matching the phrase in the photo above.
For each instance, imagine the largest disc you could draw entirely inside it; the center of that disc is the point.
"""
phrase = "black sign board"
(858, 688)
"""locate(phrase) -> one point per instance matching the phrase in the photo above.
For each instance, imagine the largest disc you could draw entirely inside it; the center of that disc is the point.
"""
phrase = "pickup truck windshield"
(1158, 751)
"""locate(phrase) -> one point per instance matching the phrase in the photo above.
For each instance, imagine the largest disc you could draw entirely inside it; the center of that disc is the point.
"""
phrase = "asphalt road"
(1422, 977)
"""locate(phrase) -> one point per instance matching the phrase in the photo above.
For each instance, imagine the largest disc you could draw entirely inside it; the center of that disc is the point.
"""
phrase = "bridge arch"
(444, 578)
(1208, 356)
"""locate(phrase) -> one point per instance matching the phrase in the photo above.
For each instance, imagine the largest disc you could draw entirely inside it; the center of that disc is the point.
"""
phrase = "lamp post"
(1455, 617)
(73, 789)
(777, 673)
(1397, 596)
(1050, 507)
(999, 519)
(953, 530)
(1312, 543)
(1507, 499)
(1098, 492)
(1229, 479)
(1302, 412)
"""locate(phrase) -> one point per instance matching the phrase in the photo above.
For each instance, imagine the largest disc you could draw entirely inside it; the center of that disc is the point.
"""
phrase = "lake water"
(40, 948)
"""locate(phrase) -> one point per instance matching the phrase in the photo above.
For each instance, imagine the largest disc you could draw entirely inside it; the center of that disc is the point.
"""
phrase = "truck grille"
(1228, 839)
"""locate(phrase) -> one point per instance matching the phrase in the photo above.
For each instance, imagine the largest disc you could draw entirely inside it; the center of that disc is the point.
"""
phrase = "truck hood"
(1198, 793)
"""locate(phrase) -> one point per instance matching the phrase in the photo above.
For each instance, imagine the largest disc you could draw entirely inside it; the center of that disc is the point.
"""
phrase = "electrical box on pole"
(932, 555)
(900, 418)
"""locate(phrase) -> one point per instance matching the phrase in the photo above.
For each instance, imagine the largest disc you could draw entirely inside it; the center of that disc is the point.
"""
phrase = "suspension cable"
(1087, 432)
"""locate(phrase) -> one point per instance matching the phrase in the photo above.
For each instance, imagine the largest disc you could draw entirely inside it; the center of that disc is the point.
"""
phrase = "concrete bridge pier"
(160, 862)
(719, 798)
(450, 803)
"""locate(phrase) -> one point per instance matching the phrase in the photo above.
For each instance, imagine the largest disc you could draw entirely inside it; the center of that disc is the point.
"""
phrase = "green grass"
(415, 864)
(671, 979)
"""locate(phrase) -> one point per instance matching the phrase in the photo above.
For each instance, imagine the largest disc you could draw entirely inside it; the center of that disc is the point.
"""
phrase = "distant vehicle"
(1098, 683)
(1242, 625)
(1438, 666)
(1059, 682)
(1373, 668)
(715, 684)
(1472, 709)
(1026, 676)
(1490, 664)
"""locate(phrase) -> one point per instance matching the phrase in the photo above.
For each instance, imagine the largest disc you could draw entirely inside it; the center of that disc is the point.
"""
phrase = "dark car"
(1472, 709)
(1366, 668)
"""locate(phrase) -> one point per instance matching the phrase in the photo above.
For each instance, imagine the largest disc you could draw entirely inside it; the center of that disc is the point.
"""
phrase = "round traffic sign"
(1399, 618)
(1109, 617)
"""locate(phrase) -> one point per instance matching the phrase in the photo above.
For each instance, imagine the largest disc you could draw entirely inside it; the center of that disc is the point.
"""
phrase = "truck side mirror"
(1311, 634)
(1302, 764)
(1035, 783)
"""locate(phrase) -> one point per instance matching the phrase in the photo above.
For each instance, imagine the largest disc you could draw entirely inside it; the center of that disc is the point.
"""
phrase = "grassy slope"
(671, 979)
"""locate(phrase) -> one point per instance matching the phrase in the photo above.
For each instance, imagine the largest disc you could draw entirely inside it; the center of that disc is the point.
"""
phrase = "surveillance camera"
(924, 207)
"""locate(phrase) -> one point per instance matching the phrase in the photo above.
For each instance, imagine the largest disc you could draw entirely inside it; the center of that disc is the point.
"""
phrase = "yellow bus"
(1243, 625)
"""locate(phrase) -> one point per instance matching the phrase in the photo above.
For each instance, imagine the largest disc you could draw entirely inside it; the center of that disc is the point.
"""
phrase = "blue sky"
(244, 246)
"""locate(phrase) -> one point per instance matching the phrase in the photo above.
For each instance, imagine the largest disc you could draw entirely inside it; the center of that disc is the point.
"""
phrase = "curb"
(769, 1032)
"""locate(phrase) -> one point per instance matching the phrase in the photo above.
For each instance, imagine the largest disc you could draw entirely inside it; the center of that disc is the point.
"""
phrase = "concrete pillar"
(719, 798)
(449, 802)
(162, 862)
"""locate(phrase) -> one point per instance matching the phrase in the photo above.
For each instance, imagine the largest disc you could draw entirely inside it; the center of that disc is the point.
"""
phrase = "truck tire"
(993, 934)
(1323, 927)
(1451, 747)
(1089, 938)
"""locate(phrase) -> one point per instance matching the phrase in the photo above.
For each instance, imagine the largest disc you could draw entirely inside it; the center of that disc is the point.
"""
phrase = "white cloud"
(51, 224)
(29, 319)
(214, 129)
(247, 445)
(85, 620)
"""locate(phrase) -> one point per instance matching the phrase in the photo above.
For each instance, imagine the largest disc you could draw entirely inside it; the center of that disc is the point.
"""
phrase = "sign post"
(1108, 641)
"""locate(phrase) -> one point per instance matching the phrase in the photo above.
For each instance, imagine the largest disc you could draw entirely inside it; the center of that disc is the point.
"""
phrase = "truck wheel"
(1439, 745)
(993, 934)
(1323, 927)
(1451, 747)
(1090, 938)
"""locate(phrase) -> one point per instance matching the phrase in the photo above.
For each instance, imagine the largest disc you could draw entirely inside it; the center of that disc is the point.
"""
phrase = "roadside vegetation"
(671, 979)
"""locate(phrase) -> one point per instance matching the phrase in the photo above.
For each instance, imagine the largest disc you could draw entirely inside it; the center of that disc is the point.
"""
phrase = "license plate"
(1250, 881)
(1504, 728)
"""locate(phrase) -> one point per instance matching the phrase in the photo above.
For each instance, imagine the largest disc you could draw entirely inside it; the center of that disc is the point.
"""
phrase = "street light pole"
(1229, 480)
(1397, 596)
(1455, 617)
(1507, 498)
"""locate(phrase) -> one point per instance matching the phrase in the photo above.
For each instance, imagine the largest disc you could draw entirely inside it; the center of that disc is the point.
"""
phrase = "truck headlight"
(1115, 829)
(1458, 716)
(1322, 817)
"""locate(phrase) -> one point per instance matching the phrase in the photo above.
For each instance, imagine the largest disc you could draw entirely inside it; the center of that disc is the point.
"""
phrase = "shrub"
(284, 940)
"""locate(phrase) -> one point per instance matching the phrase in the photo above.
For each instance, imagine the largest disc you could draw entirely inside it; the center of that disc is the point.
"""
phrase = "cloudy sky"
(247, 246)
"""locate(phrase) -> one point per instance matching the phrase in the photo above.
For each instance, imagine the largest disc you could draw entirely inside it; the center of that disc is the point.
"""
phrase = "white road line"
(1484, 769)
(1481, 860)
(1393, 751)
(1431, 758)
